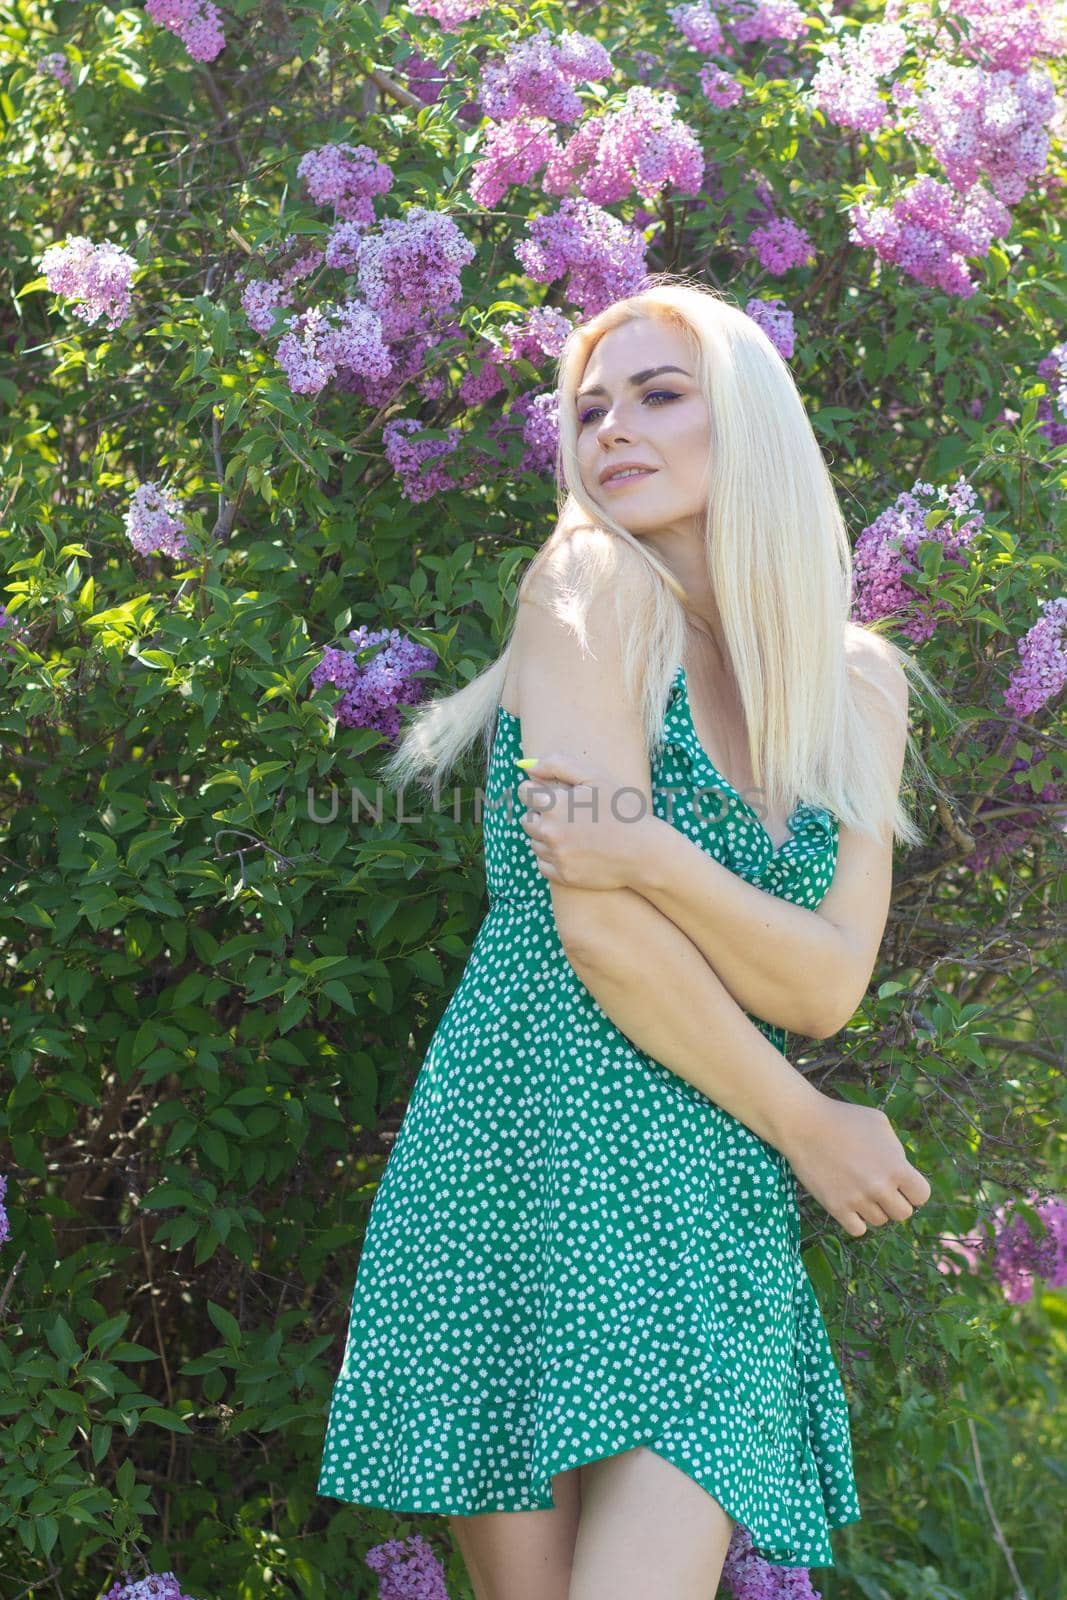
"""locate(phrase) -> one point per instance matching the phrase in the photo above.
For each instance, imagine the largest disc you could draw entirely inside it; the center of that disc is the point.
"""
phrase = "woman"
(581, 1327)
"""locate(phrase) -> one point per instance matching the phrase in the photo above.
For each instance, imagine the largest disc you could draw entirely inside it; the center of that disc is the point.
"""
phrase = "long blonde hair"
(779, 563)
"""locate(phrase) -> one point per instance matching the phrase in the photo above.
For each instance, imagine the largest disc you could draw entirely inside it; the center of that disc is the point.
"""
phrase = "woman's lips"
(630, 477)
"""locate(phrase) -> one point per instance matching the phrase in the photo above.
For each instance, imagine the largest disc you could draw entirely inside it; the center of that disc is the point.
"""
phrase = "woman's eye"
(653, 394)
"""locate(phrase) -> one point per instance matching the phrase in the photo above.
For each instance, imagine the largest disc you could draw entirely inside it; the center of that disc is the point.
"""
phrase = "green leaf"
(225, 1322)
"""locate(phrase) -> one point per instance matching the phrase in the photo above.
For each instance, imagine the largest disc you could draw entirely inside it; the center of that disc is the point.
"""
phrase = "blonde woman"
(581, 1327)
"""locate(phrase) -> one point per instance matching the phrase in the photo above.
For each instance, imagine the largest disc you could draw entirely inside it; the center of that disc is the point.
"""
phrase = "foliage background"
(209, 1036)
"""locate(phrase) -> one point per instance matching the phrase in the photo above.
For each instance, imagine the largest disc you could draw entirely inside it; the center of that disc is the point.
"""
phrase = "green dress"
(572, 1250)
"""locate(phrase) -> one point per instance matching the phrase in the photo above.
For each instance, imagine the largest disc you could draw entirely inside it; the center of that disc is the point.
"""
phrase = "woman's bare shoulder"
(582, 563)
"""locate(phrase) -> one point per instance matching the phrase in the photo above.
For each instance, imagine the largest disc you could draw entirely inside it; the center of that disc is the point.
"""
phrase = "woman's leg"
(647, 1530)
(522, 1555)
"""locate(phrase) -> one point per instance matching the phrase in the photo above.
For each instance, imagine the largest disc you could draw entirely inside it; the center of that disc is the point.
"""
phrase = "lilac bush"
(286, 289)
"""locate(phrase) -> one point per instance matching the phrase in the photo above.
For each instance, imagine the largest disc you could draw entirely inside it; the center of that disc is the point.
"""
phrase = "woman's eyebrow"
(638, 378)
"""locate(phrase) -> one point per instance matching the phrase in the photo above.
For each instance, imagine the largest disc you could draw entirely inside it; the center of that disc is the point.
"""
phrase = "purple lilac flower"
(7, 620)
(427, 79)
(746, 1576)
(155, 521)
(719, 88)
(261, 297)
(601, 257)
(372, 691)
(776, 320)
(768, 20)
(347, 177)
(156, 1586)
(1016, 1255)
(699, 26)
(408, 458)
(96, 274)
(999, 837)
(196, 22)
(410, 265)
(781, 244)
(535, 418)
(885, 563)
(1052, 369)
(930, 229)
(55, 64)
(537, 76)
(5, 1224)
(1042, 672)
(1019, 1257)
(407, 1570)
(326, 338)
(541, 333)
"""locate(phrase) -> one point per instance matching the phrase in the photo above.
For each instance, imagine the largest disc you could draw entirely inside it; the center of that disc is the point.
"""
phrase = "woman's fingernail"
(526, 762)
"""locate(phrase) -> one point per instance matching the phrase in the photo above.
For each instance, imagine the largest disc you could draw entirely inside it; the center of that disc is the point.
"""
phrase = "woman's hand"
(851, 1161)
(577, 823)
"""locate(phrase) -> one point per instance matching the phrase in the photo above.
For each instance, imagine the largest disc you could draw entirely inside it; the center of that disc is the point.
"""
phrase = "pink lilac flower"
(929, 230)
(96, 274)
(197, 23)
(5, 1223)
(1052, 369)
(537, 76)
(747, 1576)
(639, 147)
(885, 557)
(449, 14)
(994, 123)
(601, 258)
(55, 64)
(347, 177)
(767, 20)
(511, 153)
(1042, 672)
(156, 1586)
(374, 689)
(845, 83)
(407, 1570)
(781, 244)
(962, 1252)
(719, 88)
(325, 338)
(155, 521)
(1004, 34)
(776, 320)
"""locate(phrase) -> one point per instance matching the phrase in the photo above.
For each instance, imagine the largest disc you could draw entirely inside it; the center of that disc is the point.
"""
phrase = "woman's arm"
(660, 992)
(654, 983)
(763, 947)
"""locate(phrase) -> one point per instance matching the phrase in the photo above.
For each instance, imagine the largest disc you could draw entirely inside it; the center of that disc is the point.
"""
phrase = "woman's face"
(660, 422)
